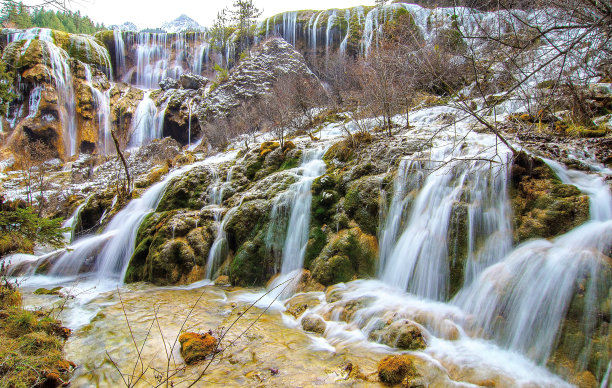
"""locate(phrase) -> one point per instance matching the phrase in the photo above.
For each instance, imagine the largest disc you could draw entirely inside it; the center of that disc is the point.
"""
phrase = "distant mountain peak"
(182, 23)
(127, 26)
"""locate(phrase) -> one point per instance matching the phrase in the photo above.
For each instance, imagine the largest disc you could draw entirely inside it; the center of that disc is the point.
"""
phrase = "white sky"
(152, 13)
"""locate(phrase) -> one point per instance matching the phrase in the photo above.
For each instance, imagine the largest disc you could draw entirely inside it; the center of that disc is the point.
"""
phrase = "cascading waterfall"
(57, 59)
(35, 95)
(102, 107)
(218, 250)
(313, 34)
(107, 255)
(344, 43)
(556, 268)
(331, 20)
(419, 261)
(145, 126)
(119, 51)
(290, 27)
(300, 198)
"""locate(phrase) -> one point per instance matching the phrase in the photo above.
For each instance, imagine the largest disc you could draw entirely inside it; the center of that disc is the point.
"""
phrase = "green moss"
(31, 350)
(289, 163)
(543, 207)
(252, 266)
(349, 246)
(253, 168)
(361, 203)
(316, 242)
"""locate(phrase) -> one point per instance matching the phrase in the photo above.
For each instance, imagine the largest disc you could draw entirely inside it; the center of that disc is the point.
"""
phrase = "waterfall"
(148, 122)
(119, 51)
(343, 44)
(58, 60)
(314, 31)
(35, 95)
(331, 19)
(419, 262)
(102, 108)
(290, 27)
(111, 250)
(298, 198)
(218, 250)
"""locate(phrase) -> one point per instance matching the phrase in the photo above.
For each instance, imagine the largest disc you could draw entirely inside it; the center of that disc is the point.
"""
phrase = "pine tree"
(6, 94)
(245, 14)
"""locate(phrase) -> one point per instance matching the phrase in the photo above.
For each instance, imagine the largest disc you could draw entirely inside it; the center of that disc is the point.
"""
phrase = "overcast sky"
(152, 13)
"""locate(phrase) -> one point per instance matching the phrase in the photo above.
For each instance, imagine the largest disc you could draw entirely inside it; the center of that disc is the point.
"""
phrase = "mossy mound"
(348, 255)
(543, 206)
(362, 201)
(170, 249)
(397, 369)
(196, 347)
(32, 345)
(402, 334)
(188, 191)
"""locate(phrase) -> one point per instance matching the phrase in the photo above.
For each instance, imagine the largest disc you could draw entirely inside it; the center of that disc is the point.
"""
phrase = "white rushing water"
(298, 199)
(107, 255)
(148, 122)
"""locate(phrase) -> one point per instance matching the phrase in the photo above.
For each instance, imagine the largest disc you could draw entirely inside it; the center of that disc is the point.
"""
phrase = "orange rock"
(195, 347)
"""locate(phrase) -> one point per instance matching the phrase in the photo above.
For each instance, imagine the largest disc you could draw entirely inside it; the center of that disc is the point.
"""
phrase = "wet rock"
(349, 254)
(192, 81)
(169, 83)
(543, 207)
(402, 334)
(223, 280)
(314, 324)
(397, 369)
(196, 347)
(300, 303)
(361, 202)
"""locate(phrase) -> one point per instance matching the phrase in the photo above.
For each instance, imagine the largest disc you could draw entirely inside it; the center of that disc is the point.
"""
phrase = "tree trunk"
(128, 190)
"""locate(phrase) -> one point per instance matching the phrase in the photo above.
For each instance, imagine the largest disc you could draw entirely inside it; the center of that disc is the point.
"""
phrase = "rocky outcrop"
(253, 77)
(56, 104)
(543, 207)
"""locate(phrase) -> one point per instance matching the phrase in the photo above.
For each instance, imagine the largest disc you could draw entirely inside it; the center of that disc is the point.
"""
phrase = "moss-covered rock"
(543, 206)
(170, 249)
(362, 201)
(402, 334)
(196, 347)
(188, 191)
(348, 255)
(397, 369)
(314, 324)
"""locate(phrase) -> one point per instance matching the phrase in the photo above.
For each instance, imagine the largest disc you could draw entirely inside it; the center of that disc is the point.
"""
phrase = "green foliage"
(20, 229)
(6, 94)
(19, 16)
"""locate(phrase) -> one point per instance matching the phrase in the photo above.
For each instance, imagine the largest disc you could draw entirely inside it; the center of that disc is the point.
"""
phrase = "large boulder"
(192, 81)
(348, 255)
(253, 77)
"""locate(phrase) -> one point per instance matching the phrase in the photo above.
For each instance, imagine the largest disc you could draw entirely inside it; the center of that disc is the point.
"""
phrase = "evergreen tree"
(245, 14)
(6, 94)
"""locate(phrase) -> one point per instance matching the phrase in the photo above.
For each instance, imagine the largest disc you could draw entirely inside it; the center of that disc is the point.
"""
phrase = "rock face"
(543, 206)
(57, 103)
(253, 76)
